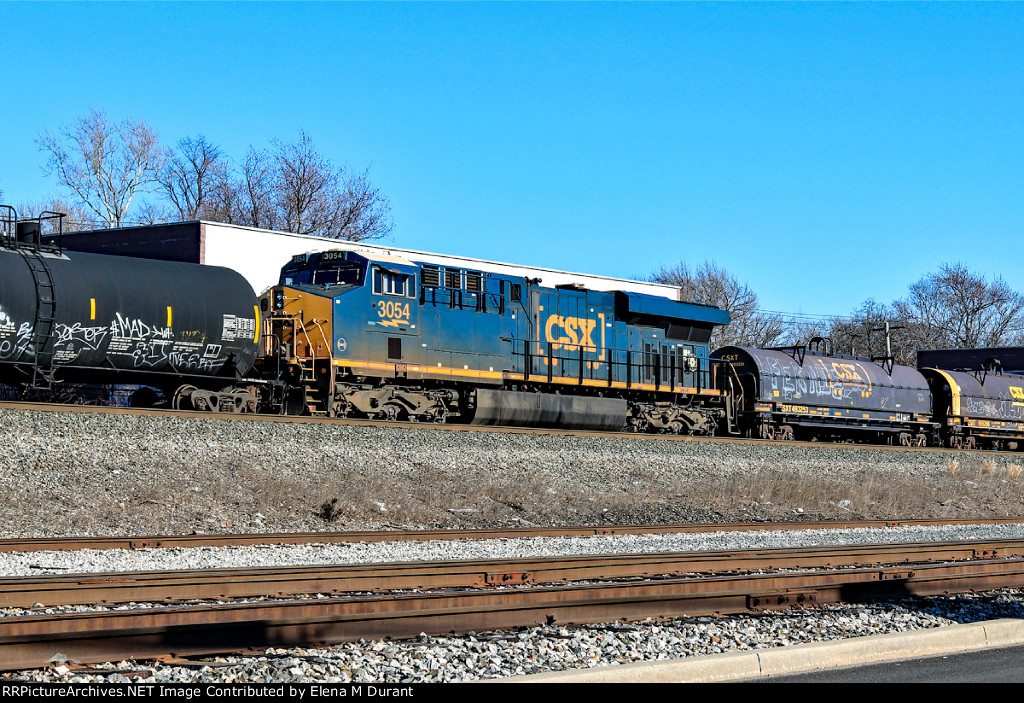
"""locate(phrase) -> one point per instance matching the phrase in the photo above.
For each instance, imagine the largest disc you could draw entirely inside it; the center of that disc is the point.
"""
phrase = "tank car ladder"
(42, 331)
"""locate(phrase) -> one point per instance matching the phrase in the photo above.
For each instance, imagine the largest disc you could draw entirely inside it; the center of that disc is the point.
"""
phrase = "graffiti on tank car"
(79, 337)
(147, 345)
(193, 361)
(71, 340)
(18, 344)
(152, 353)
(137, 329)
(16, 338)
(979, 406)
(571, 334)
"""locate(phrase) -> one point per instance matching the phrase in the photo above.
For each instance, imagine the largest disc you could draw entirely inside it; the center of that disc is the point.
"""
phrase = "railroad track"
(155, 586)
(36, 544)
(483, 596)
(247, 417)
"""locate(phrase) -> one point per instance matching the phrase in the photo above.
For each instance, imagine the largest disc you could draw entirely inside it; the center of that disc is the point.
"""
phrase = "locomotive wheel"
(786, 433)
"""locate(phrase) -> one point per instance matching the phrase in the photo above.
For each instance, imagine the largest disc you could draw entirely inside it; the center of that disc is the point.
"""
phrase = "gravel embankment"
(78, 474)
(84, 474)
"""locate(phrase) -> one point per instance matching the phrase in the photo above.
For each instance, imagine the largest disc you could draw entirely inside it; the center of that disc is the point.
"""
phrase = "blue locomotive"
(376, 336)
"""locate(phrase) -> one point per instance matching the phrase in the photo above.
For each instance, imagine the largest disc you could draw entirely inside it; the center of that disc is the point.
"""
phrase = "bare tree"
(76, 216)
(102, 163)
(306, 186)
(192, 176)
(711, 285)
(954, 308)
(256, 204)
(863, 333)
(295, 188)
(362, 212)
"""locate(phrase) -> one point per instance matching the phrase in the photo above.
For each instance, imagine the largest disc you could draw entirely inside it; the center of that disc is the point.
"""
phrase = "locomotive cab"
(335, 313)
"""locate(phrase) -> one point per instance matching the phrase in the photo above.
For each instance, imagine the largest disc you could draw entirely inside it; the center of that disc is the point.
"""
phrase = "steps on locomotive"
(314, 398)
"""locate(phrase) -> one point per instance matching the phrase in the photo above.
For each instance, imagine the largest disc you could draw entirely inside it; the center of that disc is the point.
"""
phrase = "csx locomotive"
(357, 334)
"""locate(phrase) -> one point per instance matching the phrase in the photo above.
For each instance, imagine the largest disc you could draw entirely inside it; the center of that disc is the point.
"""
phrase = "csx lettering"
(847, 372)
(1017, 392)
(570, 332)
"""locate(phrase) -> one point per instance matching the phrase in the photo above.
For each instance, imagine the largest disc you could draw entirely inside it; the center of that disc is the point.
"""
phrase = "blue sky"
(822, 153)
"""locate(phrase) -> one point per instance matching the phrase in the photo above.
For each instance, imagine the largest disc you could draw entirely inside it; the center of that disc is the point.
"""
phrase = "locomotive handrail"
(323, 336)
(650, 360)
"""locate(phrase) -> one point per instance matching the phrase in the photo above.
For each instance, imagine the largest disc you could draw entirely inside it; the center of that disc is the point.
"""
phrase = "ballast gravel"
(92, 561)
(498, 655)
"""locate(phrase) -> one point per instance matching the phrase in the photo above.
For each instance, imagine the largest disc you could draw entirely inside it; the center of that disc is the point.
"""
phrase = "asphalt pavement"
(918, 656)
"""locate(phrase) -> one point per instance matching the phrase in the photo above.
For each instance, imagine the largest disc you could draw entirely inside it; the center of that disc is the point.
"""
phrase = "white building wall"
(259, 255)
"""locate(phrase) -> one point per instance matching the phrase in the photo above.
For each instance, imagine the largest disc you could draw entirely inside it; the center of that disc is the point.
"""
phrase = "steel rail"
(29, 642)
(157, 586)
(35, 544)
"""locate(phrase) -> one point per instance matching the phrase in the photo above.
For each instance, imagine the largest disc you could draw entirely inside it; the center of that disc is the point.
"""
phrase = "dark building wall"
(180, 241)
(1010, 358)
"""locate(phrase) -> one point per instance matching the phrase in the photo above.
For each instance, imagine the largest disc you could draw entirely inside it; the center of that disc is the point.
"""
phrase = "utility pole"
(887, 360)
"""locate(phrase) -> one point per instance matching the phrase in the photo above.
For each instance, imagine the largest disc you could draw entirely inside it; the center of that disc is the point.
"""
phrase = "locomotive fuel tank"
(63, 314)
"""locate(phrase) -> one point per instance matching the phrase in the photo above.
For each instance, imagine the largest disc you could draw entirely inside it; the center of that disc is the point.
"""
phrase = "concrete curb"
(798, 658)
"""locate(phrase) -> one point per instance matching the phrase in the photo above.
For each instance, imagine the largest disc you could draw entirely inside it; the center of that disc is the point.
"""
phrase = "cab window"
(292, 277)
(392, 283)
(338, 274)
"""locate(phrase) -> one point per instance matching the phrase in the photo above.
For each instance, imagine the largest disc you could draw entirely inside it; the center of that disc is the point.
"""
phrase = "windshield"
(338, 274)
(291, 277)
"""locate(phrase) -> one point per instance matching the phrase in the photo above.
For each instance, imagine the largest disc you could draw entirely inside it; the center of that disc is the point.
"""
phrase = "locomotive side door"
(393, 320)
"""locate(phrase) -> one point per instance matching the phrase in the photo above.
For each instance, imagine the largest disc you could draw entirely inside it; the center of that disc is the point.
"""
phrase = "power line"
(807, 316)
